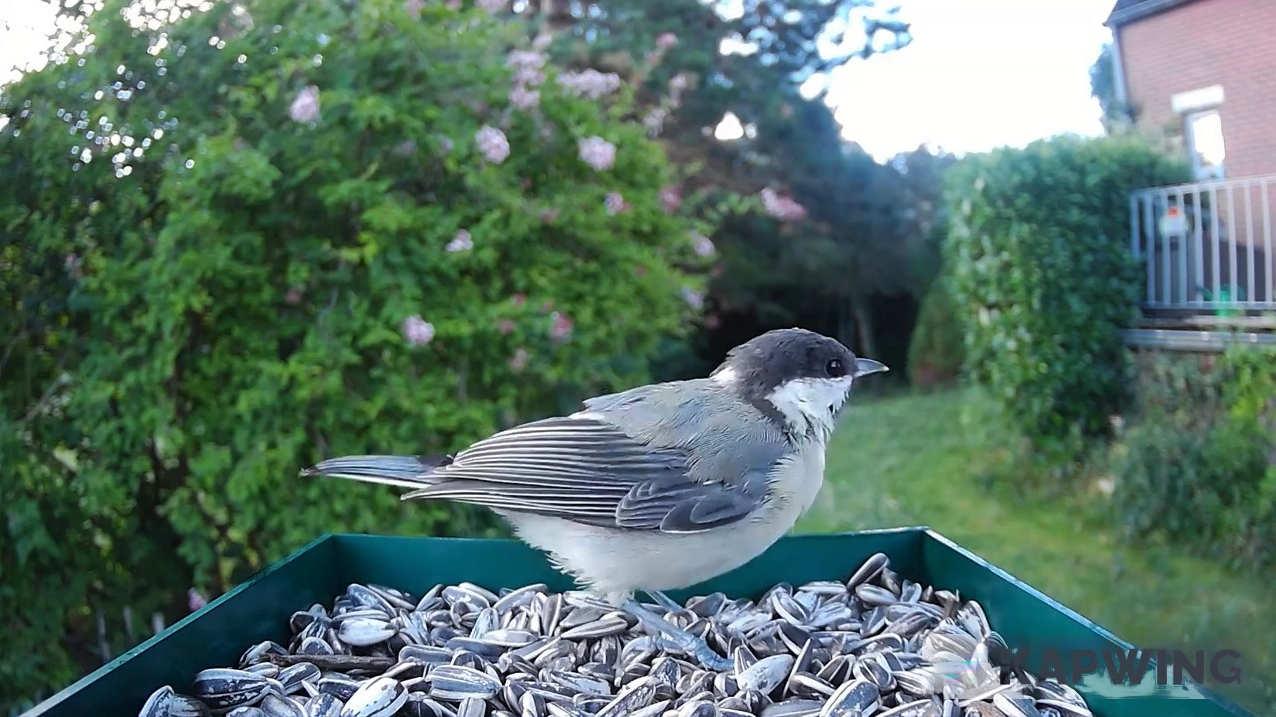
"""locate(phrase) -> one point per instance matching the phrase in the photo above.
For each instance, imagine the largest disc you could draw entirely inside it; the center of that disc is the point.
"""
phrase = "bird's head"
(803, 377)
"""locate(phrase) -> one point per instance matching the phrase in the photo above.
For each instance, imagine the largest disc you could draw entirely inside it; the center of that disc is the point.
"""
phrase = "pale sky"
(979, 74)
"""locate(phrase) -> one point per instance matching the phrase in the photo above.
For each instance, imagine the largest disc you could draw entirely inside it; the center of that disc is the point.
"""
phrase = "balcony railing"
(1207, 246)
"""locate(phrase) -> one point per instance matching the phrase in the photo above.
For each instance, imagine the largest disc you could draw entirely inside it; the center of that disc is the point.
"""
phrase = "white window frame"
(1202, 173)
(1190, 106)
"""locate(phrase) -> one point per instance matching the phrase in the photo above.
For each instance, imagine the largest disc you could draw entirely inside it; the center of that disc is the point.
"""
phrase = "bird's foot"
(675, 639)
(689, 644)
(665, 601)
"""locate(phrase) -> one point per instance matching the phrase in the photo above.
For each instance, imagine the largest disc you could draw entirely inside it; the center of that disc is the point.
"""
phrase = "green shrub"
(1198, 463)
(936, 351)
(1042, 272)
(1250, 386)
(236, 243)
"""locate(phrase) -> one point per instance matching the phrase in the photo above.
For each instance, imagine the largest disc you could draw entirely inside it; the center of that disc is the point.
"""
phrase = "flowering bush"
(250, 239)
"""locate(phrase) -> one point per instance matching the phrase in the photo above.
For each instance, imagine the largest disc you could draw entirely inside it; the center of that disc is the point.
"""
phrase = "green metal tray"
(257, 610)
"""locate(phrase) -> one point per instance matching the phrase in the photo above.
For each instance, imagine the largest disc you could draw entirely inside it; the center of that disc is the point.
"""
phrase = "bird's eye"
(835, 368)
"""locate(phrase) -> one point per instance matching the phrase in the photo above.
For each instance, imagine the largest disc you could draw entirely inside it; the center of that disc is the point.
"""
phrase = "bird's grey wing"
(586, 469)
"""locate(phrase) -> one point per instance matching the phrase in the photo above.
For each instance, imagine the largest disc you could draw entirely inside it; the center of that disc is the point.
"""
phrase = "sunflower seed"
(323, 705)
(223, 688)
(378, 697)
(456, 683)
(275, 706)
(363, 631)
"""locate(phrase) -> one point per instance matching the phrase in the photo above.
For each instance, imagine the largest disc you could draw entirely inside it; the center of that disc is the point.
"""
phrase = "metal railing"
(1207, 245)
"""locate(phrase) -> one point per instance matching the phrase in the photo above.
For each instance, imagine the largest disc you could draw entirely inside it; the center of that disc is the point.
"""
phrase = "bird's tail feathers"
(401, 471)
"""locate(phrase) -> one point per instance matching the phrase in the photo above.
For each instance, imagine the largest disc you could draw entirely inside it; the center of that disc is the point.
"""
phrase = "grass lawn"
(908, 461)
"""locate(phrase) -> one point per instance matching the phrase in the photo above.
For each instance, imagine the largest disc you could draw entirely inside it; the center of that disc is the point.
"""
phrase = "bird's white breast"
(619, 562)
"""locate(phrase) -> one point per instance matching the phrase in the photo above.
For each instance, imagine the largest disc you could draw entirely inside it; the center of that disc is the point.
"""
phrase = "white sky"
(23, 26)
(979, 74)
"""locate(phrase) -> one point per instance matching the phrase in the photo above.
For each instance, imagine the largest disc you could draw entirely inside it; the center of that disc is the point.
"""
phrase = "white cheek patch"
(810, 404)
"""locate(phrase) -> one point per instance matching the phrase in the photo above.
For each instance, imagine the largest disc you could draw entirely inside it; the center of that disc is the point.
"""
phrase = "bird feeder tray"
(259, 609)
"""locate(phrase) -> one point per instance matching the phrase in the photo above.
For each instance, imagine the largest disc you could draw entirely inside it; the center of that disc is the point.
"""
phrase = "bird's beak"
(865, 366)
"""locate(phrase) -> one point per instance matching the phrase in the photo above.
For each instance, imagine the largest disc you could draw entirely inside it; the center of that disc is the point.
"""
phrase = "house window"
(1205, 143)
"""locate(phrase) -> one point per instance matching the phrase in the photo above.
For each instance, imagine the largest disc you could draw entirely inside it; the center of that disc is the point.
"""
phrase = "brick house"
(1201, 73)
(1200, 76)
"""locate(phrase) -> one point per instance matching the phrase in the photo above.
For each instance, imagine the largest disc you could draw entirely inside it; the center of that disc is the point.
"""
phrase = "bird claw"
(674, 639)
(690, 644)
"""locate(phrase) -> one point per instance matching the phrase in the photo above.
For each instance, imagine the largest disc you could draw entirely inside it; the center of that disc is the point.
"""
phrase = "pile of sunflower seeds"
(875, 645)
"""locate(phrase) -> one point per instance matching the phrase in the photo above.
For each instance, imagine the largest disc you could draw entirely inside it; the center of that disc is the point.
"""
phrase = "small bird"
(661, 486)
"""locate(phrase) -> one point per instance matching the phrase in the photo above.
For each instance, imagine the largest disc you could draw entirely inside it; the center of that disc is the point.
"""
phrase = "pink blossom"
(542, 41)
(525, 58)
(528, 66)
(529, 76)
(666, 40)
(445, 145)
(194, 600)
(493, 144)
(679, 82)
(293, 296)
(560, 327)
(492, 6)
(505, 326)
(519, 299)
(454, 4)
(615, 203)
(597, 153)
(640, 271)
(305, 107)
(414, 8)
(654, 120)
(701, 244)
(417, 331)
(524, 99)
(692, 297)
(549, 215)
(405, 148)
(670, 197)
(518, 361)
(781, 207)
(547, 306)
(712, 321)
(590, 83)
(461, 242)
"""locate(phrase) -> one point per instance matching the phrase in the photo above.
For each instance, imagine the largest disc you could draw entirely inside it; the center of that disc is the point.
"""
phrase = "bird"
(658, 487)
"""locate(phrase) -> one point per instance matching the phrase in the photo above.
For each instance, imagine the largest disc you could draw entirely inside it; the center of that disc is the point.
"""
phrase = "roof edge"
(1139, 11)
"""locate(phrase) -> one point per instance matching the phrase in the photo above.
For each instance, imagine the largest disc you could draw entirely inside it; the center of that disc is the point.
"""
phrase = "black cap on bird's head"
(770, 359)
(794, 370)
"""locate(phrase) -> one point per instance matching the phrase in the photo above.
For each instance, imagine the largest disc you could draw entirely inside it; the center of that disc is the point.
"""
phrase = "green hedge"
(1197, 463)
(308, 229)
(1039, 254)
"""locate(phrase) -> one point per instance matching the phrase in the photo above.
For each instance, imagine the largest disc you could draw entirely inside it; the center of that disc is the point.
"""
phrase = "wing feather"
(587, 470)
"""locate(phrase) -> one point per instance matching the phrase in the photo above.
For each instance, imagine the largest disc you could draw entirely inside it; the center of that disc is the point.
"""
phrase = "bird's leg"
(670, 636)
(664, 601)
